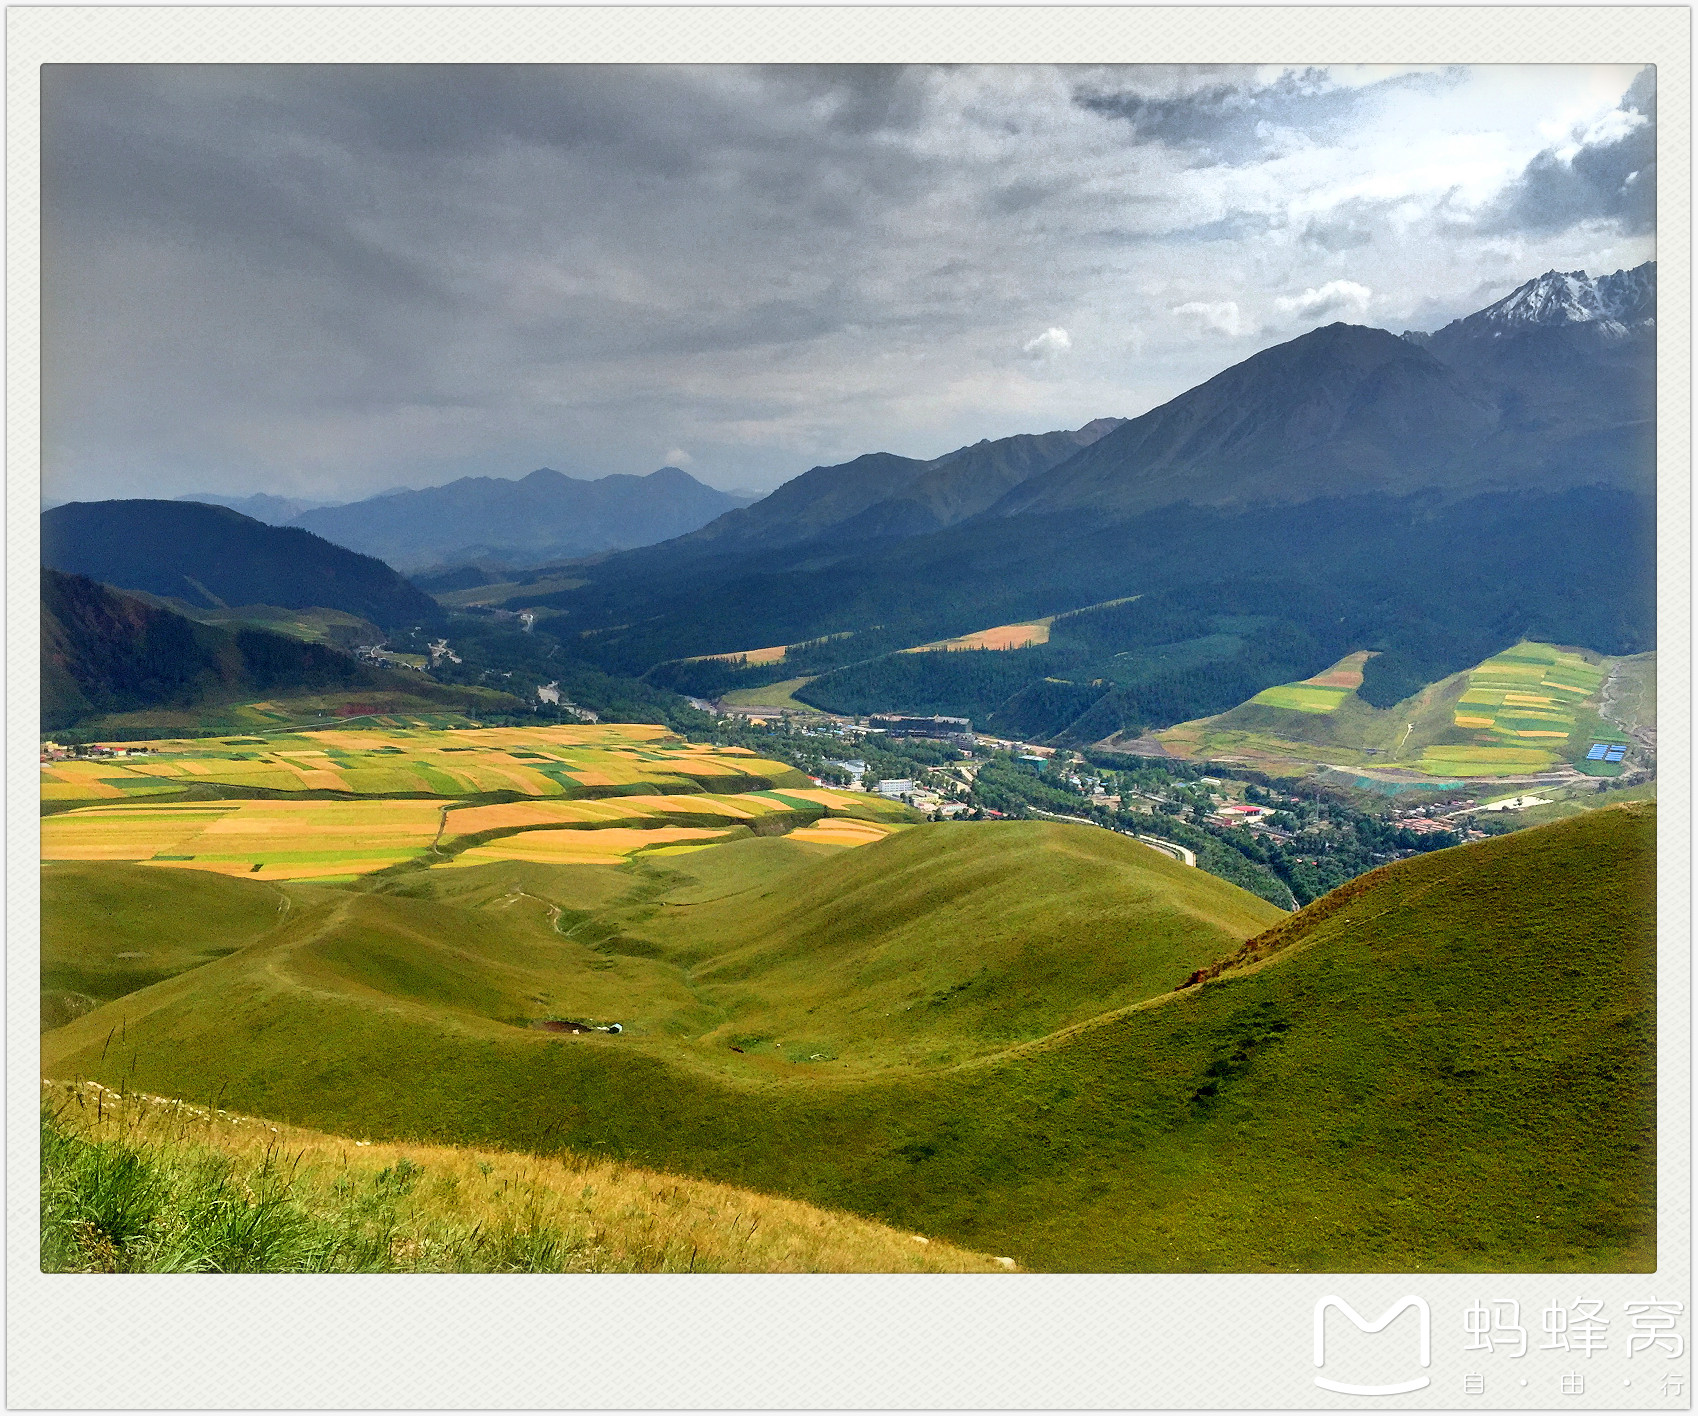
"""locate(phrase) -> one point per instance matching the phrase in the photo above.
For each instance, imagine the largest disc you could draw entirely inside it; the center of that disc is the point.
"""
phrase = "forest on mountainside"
(1228, 604)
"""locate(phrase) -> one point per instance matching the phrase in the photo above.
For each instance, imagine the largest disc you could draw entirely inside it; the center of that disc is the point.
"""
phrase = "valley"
(1221, 840)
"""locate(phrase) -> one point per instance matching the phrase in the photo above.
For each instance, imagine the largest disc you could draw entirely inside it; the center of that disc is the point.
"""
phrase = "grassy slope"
(435, 704)
(140, 1184)
(1450, 1070)
(774, 695)
(118, 928)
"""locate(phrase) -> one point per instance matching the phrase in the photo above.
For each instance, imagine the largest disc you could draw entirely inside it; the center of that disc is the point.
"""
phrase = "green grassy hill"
(116, 928)
(965, 1030)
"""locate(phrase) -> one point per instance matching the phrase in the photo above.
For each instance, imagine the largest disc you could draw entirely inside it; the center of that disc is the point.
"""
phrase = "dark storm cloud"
(1610, 177)
(1237, 121)
(323, 280)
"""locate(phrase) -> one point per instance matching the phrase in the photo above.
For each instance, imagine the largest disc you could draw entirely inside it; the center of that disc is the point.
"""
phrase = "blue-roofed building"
(1597, 752)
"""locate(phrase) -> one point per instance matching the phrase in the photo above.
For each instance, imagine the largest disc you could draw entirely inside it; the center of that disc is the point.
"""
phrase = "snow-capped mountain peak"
(1614, 303)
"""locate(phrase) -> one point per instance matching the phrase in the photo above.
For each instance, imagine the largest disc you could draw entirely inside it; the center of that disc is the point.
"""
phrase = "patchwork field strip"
(1321, 694)
(1000, 637)
(534, 762)
(281, 839)
(1519, 705)
(264, 840)
(608, 846)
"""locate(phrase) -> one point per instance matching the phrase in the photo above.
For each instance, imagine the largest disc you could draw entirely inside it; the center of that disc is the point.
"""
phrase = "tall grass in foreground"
(139, 1184)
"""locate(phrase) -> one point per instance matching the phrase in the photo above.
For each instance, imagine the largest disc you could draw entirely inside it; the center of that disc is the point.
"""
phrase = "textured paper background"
(1206, 1341)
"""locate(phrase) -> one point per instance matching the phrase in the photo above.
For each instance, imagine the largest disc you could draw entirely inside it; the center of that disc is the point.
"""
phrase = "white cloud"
(1222, 316)
(677, 457)
(1334, 296)
(1052, 342)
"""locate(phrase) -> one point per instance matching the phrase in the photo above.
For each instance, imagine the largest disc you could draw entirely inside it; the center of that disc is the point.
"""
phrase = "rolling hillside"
(111, 663)
(1386, 1081)
(211, 555)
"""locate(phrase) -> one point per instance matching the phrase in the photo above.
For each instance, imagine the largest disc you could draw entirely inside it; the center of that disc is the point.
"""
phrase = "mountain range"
(881, 495)
(1443, 495)
(1432, 498)
(537, 518)
(213, 556)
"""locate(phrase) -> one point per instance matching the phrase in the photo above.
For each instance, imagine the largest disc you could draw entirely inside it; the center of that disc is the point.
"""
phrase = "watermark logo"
(1385, 1320)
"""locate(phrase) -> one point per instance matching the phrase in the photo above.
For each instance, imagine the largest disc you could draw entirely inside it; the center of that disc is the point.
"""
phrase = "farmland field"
(571, 761)
(260, 840)
(746, 657)
(571, 795)
(1321, 694)
(1002, 636)
(1528, 692)
(773, 695)
(1530, 709)
(365, 707)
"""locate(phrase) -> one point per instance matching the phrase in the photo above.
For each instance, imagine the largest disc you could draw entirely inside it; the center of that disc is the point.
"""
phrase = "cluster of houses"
(1235, 813)
(1420, 825)
(57, 752)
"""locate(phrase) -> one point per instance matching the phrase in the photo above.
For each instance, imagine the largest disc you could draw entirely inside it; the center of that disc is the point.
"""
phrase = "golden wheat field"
(315, 839)
(539, 762)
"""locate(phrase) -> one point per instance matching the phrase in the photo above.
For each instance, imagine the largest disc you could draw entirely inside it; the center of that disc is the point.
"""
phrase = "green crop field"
(1526, 710)
(382, 708)
(970, 1031)
(773, 695)
(1324, 693)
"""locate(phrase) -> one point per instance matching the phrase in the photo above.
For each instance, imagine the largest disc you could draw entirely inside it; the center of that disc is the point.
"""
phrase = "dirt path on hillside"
(1610, 709)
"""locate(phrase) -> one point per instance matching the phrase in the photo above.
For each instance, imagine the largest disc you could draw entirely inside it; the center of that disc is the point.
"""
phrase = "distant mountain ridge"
(262, 506)
(540, 517)
(1549, 388)
(211, 555)
(881, 495)
(1340, 406)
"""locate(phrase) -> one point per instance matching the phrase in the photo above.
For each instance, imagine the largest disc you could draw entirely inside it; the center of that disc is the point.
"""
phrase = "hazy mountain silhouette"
(211, 555)
(540, 517)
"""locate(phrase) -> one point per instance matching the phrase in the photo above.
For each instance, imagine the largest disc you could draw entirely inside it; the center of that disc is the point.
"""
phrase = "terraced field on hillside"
(1533, 708)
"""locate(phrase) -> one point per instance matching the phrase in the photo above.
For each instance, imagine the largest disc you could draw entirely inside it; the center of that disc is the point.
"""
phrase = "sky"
(326, 282)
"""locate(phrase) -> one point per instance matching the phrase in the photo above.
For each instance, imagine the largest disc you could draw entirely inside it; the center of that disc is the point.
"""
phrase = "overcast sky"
(328, 281)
